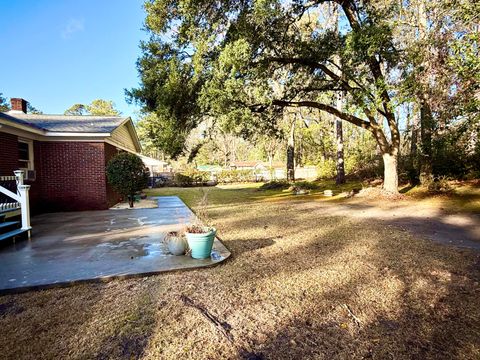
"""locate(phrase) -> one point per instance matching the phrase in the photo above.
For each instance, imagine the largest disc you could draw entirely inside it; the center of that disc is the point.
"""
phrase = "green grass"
(242, 193)
(217, 195)
(465, 197)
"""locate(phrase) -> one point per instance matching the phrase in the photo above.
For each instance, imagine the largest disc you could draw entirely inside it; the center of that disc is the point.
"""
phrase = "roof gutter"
(22, 127)
(77, 134)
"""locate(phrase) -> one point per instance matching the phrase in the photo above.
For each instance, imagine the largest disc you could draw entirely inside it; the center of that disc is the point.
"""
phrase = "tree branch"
(306, 62)
(327, 108)
(374, 65)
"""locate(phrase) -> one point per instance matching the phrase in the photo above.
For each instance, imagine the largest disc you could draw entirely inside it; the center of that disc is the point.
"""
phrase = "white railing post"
(22, 191)
(25, 207)
(19, 175)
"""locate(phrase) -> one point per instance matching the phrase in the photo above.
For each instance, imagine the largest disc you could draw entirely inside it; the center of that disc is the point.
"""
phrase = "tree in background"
(229, 54)
(4, 105)
(159, 133)
(98, 107)
(102, 107)
(127, 174)
(440, 67)
(33, 110)
(76, 109)
(225, 60)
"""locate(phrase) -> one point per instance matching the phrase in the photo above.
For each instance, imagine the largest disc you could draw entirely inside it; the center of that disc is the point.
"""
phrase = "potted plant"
(175, 243)
(200, 237)
(200, 240)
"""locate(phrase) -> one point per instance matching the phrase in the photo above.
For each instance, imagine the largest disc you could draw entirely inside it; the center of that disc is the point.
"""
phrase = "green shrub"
(232, 176)
(198, 177)
(182, 180)
(275, 185)
(127, 174)
(437, 185)
(191, 178)
(327, 169)
(305, 185)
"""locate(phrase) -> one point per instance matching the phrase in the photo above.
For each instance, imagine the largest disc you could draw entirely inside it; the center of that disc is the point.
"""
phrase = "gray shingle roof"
(66, 123)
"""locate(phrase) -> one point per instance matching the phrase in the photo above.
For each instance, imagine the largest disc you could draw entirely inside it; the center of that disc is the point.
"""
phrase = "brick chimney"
(19, 104)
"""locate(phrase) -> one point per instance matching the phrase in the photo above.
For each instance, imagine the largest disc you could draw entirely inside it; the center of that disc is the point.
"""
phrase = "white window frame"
(30, 153)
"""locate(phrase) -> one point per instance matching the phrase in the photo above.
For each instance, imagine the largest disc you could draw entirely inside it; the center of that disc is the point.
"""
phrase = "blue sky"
(58, 53)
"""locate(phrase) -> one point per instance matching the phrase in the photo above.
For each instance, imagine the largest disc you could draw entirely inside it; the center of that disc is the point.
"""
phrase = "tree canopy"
(4, 106)
(97, 107)
(241, 64)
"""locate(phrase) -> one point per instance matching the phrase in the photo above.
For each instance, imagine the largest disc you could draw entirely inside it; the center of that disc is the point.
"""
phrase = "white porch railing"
(21, 198)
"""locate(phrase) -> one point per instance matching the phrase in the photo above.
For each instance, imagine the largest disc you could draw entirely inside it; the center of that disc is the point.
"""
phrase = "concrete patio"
(97, 245)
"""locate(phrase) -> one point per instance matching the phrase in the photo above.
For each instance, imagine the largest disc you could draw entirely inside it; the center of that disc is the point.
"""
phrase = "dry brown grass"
(300, 285)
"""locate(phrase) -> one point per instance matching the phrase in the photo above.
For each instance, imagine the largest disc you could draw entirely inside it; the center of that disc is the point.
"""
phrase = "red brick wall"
(8, 154)
(112, 196)
(71, 176)
(35, 186)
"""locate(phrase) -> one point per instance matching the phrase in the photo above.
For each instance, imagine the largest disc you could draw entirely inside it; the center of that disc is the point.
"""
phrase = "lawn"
(303, 282)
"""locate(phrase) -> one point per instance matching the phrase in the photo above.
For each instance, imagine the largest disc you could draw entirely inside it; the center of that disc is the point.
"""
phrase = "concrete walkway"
(98, 245)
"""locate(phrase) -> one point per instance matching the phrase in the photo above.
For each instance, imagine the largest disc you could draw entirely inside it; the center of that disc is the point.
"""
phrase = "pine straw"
(379, 194)
(300, 285)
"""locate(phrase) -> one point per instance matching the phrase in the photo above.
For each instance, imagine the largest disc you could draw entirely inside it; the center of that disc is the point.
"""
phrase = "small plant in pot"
(175, 243)
(200, 240)
(200, 237)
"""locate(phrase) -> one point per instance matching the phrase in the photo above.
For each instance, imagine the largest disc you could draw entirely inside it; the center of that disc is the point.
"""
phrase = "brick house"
(64, 156)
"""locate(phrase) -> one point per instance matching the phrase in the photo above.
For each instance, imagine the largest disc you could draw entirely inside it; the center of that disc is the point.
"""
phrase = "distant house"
(277, 171)
(64, 156)
(156, 167)
(255, 165)
(261, 169)
(210, 168)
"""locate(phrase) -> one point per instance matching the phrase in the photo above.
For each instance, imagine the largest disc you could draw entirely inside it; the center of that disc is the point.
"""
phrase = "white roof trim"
(78, 134)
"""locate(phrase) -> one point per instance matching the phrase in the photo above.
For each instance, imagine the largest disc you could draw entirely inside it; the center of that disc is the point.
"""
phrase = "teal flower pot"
(201, 244)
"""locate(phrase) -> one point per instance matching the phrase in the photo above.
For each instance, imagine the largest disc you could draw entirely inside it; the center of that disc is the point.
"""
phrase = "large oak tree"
(222, 59)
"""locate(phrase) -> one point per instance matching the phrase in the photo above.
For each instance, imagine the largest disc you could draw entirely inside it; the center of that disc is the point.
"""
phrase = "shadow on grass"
(78, 322)
(303, 283)
(417, 304)
(446, 328)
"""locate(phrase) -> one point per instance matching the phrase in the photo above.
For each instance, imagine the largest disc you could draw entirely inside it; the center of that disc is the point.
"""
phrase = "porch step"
(2, 218)
(8, 225)
(12, 235)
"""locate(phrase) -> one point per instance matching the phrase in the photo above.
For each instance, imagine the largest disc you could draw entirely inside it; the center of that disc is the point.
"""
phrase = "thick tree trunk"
(414, 141)
(339, 139)
(291, 154)
(270, 166)
(414, 163)
(131, 198)
(340, 156)
(426, 125)
(426, 117)
(390, 177)
(339, 104)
